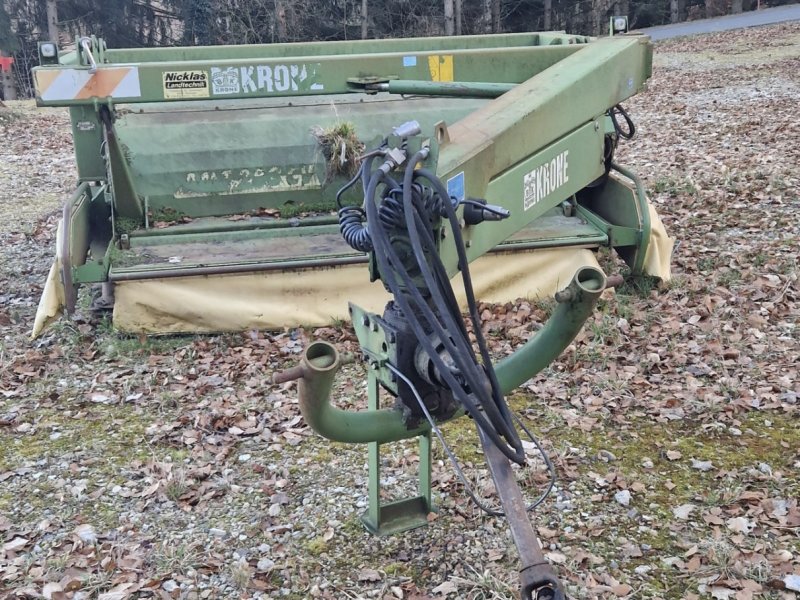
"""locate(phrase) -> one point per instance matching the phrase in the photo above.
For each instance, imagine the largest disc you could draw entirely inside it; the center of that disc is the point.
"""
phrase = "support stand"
(401, 515)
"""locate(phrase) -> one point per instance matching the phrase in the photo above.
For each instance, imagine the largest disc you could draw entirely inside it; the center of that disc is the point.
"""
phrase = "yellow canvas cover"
(315, 297)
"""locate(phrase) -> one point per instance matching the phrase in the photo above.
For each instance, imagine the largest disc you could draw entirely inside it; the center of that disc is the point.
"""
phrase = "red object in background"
(5, 63)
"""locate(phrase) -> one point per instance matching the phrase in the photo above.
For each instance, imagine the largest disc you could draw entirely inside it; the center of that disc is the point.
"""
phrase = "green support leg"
(401, 515)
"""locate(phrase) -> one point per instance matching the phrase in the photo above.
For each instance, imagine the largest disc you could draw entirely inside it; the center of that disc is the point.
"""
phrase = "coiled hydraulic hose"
(351, 225)
(435, 315)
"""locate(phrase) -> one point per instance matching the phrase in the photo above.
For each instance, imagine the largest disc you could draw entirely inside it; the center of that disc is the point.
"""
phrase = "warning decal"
(185, 84)
(53, 85)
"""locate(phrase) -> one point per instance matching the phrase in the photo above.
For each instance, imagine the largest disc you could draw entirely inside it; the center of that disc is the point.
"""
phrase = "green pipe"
(476, 89)
(234, 226)
(575, 304)
(321, 361)
(316, 372)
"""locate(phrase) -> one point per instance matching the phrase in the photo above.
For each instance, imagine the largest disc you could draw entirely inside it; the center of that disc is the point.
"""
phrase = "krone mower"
(225, 188)
(208, 176)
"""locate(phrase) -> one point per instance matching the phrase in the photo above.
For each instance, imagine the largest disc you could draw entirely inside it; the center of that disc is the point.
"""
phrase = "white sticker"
(545, 179)
(409, 61)
(260, 79)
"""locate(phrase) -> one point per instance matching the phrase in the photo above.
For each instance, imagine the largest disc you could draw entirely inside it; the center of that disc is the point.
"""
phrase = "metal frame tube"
(316, 371)
(575, 304)
(321, 361)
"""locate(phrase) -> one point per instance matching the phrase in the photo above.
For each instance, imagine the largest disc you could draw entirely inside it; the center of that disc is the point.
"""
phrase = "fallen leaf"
(369, 575)
(683, 511)
(739, 525)
(448, 587)
(792, 582)
(17, 543)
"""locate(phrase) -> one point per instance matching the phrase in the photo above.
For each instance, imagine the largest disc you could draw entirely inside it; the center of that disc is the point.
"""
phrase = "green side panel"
(619, 207)
(533, 187)
(295, 76)
(76, 228)
(408, 45)
(201, 158)
(127, 204)
(87, 135)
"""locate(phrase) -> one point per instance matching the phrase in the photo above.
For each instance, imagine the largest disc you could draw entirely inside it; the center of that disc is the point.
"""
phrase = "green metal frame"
(387, 518)
(511, 122)
(621, 211)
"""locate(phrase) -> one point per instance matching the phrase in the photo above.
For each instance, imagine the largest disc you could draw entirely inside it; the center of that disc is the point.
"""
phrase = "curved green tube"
(575, 305)
(321, 362)
(319, 365)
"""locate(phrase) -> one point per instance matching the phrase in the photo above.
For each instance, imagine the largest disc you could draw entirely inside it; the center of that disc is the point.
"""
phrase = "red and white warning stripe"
(79, 84)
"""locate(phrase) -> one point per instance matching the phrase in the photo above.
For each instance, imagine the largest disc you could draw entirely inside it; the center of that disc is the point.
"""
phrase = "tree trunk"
(52, 21)
(674, 11)
(599, 21)
(495, 16)
(280, 20)
(736, 6)
(449, 18)
(458, 16)
(364, 18)
(548, 15)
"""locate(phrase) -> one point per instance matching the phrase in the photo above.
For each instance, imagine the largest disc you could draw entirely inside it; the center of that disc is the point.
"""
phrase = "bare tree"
(458, 16)
(280, 20)
(496, 25)
(548, 15)
(364, 18)
(52, 20)
(449, 17)
(736, 6)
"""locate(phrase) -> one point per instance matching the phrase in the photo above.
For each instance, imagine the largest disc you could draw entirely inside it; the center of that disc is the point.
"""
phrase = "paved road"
(765, 16)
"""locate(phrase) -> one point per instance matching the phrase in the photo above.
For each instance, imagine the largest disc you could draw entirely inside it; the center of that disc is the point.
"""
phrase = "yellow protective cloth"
(318, 297)
(659, 251)
(53, 296)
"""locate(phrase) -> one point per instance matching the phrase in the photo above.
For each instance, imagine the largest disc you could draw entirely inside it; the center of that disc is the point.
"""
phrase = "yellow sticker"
(441, 67)
(185, 84)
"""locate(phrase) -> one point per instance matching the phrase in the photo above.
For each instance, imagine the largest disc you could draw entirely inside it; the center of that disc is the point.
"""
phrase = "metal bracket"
(400, 515)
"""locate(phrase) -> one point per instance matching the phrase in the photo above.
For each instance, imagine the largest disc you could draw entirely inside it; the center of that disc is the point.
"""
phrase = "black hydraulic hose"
(347, 186)
(499, 424)
(510, 433)
(631, 131)
(449, 312)
(351, 218)
(464, 358)
(351, 226)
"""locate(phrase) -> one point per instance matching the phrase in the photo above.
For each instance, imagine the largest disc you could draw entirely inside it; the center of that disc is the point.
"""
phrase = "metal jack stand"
(400, 515)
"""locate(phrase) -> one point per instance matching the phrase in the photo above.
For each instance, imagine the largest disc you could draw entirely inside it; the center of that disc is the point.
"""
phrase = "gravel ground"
(170, 467)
